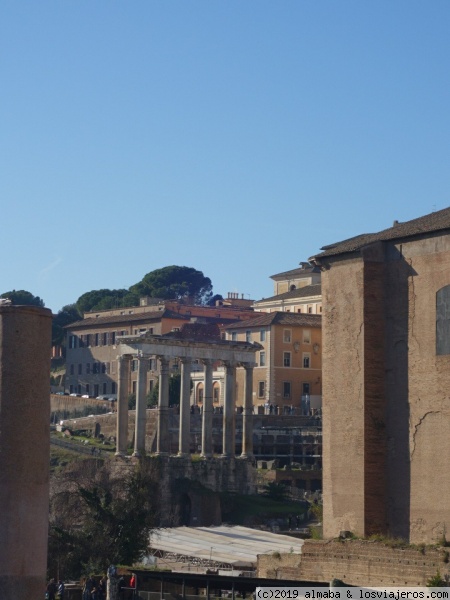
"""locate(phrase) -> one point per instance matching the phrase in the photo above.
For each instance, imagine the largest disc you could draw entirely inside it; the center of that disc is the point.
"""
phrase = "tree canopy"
(105, 299)
(68, 314)
(23, 297)
(97, 520)
(175, 283)
(174, 391)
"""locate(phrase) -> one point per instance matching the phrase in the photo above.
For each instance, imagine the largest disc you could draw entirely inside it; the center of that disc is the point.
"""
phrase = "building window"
(104, 388)
(134, 386)
(286, 359)
(306, 360)
(72, 369)
(103, 368)
(72, 341)
(88, 340)
(262, 335)
(306, 336)
(305, 389)
(96, 392)
(105, 339)
(95, 368)
(87, 389)
(80, 369)
(443, 321)
(71, 389)
(113, 338)
(261, 389)
(88, 368)
(152, 364)
(286, 389)
(79, 389)
(150, 331)
(151, 385)
(134, 365)
(113, 387)
(248, 337)
(234, 336)
(96, 339)
(287, 333)
(310, 309)
(216, 391)
(113, 367)
(262, 359)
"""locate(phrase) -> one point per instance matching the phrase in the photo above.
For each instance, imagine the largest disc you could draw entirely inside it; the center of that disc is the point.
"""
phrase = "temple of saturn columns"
(165, 349)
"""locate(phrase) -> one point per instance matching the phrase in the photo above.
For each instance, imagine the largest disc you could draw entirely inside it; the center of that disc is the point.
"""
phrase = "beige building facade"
(91, 354)
(288, 366)
(386, 381)
(296, 291)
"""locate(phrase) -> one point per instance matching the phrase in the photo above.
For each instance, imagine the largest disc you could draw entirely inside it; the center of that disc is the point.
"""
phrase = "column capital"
(125, 357)
(229, 364)
(186, 360)
(207, 361)
(164, 360)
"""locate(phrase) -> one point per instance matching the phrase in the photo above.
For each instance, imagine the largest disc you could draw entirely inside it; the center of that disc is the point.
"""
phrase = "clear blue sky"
(235, 137)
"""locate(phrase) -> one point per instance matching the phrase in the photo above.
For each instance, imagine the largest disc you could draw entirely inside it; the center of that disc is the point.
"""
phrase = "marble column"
(229, 411)
(247, 416)
(163, 439)
(25, 339)
(141, 407)
(207, 417)
(185, 408)
(123, 386)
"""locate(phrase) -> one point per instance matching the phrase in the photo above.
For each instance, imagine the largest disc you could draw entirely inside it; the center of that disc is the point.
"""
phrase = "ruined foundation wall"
(357, 563)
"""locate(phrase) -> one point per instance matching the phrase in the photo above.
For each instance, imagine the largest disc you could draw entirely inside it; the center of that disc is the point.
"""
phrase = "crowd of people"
(55, 590)
(93, 588)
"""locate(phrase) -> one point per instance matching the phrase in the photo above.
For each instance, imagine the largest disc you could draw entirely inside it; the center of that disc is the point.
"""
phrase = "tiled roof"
(279, 318)
(432, 223)
(148, 316)
(303, 292)
(298, 272)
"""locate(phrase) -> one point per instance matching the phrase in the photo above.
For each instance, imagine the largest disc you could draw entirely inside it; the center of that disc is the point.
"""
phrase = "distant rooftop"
(305, 269)
(303, 292)
(279, 318)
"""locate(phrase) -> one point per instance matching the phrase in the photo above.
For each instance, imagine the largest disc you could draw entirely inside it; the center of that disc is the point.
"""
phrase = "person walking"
(51, 590)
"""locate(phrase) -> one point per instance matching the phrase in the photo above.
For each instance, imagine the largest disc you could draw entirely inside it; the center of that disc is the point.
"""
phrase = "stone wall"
(360, 563)
(185, 482)
(386, 399)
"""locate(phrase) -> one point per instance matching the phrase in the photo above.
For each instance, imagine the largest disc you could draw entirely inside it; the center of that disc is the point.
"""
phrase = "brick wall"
(356, 562)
